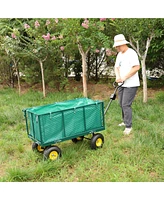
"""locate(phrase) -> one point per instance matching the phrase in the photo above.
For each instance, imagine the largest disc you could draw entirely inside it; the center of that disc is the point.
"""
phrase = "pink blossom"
(86, 21)
(108, 52)
(47, 22)
(85, 25)
(102, 19)
(56, 20)
(13, 36)
(97, 50)
(26, 26)
(112, 19)
(37, 24)
(53, 38)
(46, 37)
(62, 48)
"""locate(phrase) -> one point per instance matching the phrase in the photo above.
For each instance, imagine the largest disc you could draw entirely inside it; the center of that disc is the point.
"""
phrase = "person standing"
(126, 69)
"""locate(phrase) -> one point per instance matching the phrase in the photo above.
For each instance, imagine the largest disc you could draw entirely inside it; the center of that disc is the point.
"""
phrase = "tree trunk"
(84, 68)
(17, 74)
(11, 78)
(144, 80)
(19, 85)
(143, 59)
(43, 82)
(96, 70)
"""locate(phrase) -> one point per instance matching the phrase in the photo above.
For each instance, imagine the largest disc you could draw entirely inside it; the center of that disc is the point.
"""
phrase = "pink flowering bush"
(47, 22)
(26, 26)
(13, 35)
(62, 48)
(102, 19)
(46, 37)
(56, 20)
(85, 24)
(37, 24)
(53, 38)
(108, 52)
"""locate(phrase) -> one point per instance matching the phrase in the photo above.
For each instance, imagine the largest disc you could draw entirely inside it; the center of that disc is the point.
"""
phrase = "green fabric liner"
(59, 106)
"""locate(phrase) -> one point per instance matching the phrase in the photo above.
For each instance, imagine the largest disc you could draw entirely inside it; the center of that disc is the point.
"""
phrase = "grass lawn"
(134, 158)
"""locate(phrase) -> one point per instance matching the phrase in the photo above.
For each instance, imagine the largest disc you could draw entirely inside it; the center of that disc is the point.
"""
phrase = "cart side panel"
(52, 127)
(33, 126)
(60, 125)
(94, 116)
(83, 120)
(74, 121)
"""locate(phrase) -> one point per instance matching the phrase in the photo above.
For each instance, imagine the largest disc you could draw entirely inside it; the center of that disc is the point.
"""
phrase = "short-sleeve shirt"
(126, 61)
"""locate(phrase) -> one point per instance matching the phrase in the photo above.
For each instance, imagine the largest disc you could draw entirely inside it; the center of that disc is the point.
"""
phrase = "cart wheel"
(75, 140)
(97, 141)
(52, 153)
(37, 147)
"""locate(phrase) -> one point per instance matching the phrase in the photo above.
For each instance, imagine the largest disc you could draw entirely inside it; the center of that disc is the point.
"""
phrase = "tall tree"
(140, 32)
(39, 42)
(86, 34)
(12, 46)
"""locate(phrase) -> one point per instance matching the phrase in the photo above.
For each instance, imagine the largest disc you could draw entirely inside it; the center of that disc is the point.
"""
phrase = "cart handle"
(114, 85)
(113, 96)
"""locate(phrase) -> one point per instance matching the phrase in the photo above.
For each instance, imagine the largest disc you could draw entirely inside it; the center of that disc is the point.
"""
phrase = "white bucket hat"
(119, 40)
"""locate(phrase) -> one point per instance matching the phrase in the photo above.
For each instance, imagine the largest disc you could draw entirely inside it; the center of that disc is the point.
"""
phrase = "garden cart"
(68, 120)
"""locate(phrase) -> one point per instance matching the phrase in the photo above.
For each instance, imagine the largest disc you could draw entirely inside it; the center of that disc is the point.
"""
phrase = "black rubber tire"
(75, 140)
(37, 147)
(97, 141)
(52, 153)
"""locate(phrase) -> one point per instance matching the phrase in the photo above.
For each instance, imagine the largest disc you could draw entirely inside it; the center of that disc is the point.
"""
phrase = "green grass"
(134, 158)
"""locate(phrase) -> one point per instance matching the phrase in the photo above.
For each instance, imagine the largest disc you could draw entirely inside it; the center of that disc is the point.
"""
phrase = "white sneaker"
(127, 131)
(122, 124)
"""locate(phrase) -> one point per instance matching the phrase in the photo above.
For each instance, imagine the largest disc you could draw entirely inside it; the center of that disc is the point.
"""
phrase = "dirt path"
(99, 91)
(103, 91)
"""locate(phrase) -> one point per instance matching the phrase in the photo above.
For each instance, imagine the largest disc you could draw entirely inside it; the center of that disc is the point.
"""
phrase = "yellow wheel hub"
(53, 155)
(79, 138)
(40, 149)
(99, 142)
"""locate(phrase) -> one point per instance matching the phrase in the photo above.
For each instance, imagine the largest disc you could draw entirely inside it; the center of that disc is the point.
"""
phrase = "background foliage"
(54, 41)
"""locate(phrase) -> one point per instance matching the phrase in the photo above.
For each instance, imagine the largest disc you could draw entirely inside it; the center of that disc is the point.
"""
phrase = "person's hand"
(119, 80)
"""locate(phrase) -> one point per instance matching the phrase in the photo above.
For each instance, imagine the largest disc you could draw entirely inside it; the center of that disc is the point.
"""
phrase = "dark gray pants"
(126, 96)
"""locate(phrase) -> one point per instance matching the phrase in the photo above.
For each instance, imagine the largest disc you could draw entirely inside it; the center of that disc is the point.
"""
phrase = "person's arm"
(133, 70)
(117, 72)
